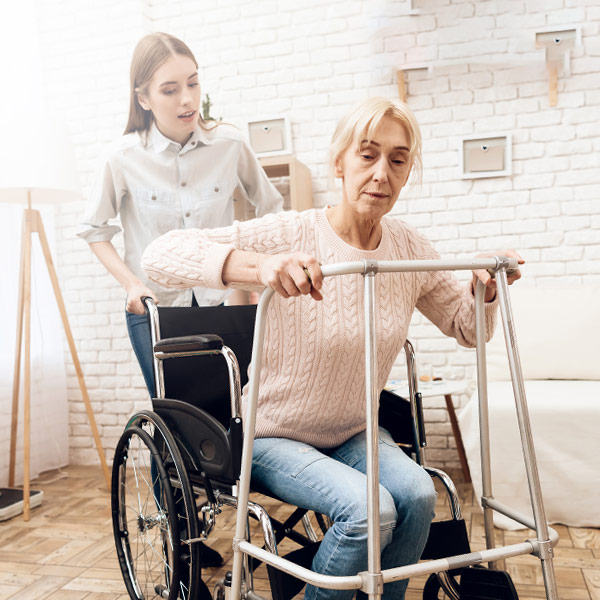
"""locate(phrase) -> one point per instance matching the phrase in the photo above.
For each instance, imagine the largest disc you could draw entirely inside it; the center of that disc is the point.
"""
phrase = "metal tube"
(159, 379)
(372, 432)
(535, 491)
(249, 427)
(409, 266)
(330, 582)
(451, 492)
(413, 388)
(456, 562)
(484, 424)
(396, 574)
(520, 518)
(235, 380)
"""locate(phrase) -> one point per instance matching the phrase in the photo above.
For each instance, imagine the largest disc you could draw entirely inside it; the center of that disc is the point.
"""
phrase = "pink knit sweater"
(312, 384)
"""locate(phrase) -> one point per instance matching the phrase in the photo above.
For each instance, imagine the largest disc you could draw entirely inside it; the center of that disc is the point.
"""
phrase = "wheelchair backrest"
(203, 381)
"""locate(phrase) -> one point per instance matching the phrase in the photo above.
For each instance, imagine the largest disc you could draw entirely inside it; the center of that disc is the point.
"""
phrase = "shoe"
(209, 557)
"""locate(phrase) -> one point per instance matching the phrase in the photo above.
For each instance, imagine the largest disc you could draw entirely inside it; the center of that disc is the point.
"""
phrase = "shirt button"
(193, 143)
(216, 188)
(183, 184)
(153, 196)
(187, 214)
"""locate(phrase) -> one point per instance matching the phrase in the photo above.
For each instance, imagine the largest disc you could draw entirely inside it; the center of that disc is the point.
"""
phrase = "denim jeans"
(138, 327)
(333, 482)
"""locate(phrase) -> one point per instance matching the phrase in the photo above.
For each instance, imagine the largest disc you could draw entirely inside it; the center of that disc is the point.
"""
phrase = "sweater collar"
(345, 250)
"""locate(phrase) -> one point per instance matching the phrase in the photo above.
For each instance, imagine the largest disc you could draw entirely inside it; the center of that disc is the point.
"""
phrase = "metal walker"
(371, 581)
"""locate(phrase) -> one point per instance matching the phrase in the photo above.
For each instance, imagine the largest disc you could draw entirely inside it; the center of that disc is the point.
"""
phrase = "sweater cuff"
(213, 273)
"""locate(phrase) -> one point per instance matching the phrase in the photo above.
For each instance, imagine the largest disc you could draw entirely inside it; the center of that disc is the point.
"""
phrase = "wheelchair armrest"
(189, 343)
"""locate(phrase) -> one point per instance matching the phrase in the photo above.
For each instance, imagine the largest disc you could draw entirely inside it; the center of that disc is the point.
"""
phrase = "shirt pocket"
(158, 211)
(213, 206)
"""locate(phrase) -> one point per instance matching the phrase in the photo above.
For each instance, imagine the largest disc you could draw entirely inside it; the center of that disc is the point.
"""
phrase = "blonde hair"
(363, 119)
(150, 53)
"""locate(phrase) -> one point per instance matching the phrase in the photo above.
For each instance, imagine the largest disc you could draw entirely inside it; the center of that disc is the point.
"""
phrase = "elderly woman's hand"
(291, 274)
(488, 280)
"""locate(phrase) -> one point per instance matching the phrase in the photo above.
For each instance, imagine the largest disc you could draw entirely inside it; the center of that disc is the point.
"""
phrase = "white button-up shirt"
(155, 185)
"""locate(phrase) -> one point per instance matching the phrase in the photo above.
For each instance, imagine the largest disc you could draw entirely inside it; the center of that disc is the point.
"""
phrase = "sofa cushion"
(557, 332)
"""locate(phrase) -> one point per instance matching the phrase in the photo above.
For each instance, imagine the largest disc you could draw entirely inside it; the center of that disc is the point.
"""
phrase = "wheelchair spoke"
(146, 521)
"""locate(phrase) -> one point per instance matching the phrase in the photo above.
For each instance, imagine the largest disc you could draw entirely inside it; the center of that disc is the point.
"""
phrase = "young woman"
(170, 170)
(310, 446)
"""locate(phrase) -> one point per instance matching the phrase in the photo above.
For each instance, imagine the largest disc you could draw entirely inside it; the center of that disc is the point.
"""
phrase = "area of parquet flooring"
(66, 550)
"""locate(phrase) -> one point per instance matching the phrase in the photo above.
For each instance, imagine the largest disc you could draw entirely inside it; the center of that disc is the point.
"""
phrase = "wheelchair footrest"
(284, 586)
(478, 583)
(446, 538)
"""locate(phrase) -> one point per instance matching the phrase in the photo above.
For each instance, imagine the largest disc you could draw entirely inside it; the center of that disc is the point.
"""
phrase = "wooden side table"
(446, 389)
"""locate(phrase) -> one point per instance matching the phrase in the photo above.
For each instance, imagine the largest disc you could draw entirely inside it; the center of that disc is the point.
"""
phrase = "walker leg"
(545, 551)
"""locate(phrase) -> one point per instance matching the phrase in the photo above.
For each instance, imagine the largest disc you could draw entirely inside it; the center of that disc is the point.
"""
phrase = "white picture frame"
(485, 155)
(270, 135)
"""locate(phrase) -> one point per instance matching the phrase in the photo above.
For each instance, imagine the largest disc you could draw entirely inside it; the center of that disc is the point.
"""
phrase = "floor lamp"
(49, 181)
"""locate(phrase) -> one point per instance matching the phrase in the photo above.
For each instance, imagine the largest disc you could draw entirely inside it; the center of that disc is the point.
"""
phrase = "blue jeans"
(138, 327)
(333, 482)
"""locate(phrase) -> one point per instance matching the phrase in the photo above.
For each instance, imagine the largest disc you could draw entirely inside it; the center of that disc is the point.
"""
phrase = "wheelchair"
(176, 466)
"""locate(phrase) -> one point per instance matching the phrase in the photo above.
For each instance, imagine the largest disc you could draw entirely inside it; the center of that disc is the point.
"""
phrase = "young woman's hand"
(291, 274)
(135, 293)
(488, 280)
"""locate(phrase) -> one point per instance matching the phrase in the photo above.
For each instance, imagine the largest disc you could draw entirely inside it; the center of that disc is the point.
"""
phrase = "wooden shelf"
(287, 165)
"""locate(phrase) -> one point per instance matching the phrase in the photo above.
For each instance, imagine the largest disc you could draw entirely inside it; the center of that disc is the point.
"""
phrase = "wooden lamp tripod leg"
(39, 227)
(32, 221)
(26, 234)
(24, 312)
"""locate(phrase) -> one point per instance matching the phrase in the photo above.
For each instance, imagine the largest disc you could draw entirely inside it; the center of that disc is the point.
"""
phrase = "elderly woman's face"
(373, 175)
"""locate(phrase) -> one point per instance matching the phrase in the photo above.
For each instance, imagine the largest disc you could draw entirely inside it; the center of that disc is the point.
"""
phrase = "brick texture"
(311, 61)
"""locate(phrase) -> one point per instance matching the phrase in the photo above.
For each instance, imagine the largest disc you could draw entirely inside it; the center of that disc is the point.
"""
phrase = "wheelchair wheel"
(190, 582)
(442, 586)
(144, 518)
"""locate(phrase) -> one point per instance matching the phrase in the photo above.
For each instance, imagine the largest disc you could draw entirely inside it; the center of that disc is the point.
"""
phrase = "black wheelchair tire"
(190, 582)
(152, 511)
(434, 589)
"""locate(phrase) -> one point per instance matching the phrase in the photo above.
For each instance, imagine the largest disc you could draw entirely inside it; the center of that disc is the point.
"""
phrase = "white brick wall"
(311, 61)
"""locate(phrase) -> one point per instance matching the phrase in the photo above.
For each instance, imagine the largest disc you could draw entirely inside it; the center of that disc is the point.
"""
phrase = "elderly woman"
(311, 446)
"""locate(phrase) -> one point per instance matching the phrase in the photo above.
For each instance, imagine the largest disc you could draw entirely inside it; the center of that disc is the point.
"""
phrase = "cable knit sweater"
(312, 384)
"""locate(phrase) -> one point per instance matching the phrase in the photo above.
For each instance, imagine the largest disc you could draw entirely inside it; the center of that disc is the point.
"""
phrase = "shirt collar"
(159, 142)
(202, 136)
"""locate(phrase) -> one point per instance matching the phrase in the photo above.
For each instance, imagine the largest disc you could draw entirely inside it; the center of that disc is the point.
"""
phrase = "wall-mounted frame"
(270, 136)
(557, 44)
(488, 155)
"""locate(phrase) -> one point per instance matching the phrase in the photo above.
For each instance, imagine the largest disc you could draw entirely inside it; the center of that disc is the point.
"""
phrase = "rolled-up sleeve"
(195, 257)
(185, 258)
(103, 206)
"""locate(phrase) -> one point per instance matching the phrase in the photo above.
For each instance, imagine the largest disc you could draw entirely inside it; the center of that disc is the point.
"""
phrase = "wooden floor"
(66, 551)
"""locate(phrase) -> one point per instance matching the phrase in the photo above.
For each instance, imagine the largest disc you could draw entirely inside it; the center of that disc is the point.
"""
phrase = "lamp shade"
(36, 156)
(43, 165)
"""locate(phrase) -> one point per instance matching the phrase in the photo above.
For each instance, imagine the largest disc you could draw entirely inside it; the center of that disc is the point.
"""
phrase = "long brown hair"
(149, 54)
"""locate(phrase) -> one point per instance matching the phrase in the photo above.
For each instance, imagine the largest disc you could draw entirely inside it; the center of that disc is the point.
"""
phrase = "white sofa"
(558, 336)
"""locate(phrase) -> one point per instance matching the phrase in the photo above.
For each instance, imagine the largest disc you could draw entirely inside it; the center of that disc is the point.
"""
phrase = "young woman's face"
(173, 96)
(373, 175)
